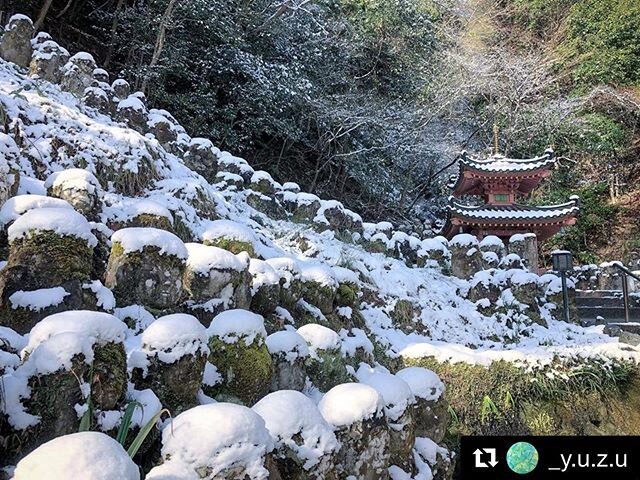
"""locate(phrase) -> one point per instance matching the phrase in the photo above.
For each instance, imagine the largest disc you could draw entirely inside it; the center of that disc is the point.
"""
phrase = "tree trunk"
(43, 14)
(114, 28)
(159, 46)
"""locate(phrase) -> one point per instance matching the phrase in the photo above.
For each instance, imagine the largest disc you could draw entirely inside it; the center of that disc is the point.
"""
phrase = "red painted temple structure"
(502, 182)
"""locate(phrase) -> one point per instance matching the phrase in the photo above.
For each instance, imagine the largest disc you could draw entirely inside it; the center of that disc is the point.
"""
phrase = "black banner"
(549, 458)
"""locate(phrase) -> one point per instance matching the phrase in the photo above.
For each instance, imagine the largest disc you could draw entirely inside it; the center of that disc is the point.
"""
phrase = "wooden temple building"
(502, 182)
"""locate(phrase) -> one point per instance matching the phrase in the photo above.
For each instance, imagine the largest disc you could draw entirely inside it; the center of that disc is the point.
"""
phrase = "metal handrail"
(625, 287)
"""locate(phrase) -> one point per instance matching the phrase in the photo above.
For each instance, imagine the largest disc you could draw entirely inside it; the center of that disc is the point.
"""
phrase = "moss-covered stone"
(328, 368)
(176, 384)
(44, 259)
(146, 220)
(231, 286)
(321, 296)
(22, 320)
(265, 299)
(267, 205)
(145, 278)
(234, 246)
(406, 317)
(246, 369)
(466, 260)
(54, 396)
(402, 435)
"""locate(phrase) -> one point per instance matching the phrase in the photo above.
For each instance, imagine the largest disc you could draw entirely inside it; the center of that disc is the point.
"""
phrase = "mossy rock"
(22, 320)
(54, 395)
(246, 369)
(318, 295)
(176, 384)
(348, 294)
(376, 246)
(145, 278)
(44, 260)
(406, 317)
(291, 294)
(146, 220)
(234, 246)
(305, 212)
(267, 205)
(231, 284)
(402, 433)
(327, 369)
(266, 299)
(100, 255)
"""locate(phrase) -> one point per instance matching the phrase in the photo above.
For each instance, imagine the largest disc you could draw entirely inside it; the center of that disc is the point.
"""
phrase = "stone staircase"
(597, 307)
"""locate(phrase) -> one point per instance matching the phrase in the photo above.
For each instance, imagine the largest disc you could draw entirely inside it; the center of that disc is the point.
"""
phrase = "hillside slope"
(146, 265)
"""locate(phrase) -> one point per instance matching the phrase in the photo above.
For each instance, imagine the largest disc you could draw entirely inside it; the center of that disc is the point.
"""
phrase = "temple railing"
(626, 273)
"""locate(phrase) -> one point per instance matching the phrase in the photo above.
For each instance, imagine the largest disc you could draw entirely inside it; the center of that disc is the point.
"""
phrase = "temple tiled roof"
(501, 164)
(514, 212)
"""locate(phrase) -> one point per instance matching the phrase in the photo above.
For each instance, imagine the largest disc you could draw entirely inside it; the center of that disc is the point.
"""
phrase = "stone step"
(599, 301)
(609, 314)
(598, 293)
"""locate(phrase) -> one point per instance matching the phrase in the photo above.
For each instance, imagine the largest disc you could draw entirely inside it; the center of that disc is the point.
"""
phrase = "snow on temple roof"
(499, 163)
(512, 212)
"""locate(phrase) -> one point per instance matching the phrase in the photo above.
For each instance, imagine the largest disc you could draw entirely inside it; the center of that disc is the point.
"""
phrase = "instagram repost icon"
(522, 458)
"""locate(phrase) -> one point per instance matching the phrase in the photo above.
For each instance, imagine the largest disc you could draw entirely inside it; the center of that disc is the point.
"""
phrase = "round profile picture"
(522, 458)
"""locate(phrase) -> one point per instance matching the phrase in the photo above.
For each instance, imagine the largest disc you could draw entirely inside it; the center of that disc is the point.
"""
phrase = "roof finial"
(496, 130)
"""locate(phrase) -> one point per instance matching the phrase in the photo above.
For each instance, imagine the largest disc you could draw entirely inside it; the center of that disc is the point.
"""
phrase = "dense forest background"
(370, 101)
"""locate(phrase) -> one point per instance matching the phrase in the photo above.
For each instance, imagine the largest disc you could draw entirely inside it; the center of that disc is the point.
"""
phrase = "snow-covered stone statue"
(526, 247)
(263, 183)
(398, 400)
(357, 413)
(47, 61)
(319, 285)
(77, 73)
(334, 216)
(305, 444)
(434, 252)
(78, 187)
(265, 287)
(525, 287)
(302, 207)
(50, 258)
(146, 267)
(72, 360)
(239, 352)
(288, 269)
(215, 280)
(326, 364)
(133, 112)
(466, 258)
(202, 157)
(92, 455)
(97, 98)
(289, 352)
(171, 360)
(431, 414)
(232, 236)
(216, 441)
(121, 89)
(15, 45)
